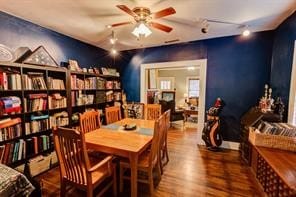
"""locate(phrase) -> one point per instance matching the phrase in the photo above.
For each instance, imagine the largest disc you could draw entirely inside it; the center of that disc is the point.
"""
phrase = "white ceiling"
(86, 20)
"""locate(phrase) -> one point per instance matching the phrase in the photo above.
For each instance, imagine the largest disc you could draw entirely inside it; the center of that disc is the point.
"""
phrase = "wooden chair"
(75, 167)
(113, 114)
(89, 121)
(134, 110)
(163, 150)
(152, 111)
(147, 161)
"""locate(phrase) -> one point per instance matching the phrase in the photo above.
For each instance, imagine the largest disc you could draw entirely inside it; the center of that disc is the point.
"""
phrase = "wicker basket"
(272, 141)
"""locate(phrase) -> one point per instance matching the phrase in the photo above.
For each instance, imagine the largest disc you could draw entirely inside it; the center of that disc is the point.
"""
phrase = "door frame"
(202, 65)
(292, 98)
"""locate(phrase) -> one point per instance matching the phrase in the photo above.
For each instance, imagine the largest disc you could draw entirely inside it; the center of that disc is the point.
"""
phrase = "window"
(166, 83)
(193, 87)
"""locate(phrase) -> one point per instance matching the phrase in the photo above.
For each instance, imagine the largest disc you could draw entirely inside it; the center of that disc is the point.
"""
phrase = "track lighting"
(113, 39)
(113, 52)
(205, 26)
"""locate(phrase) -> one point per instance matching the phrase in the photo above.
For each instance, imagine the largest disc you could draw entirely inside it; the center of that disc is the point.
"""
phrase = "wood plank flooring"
(192, 171)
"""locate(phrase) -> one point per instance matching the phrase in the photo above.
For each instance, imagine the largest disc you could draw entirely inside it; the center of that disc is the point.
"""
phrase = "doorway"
(201, 64)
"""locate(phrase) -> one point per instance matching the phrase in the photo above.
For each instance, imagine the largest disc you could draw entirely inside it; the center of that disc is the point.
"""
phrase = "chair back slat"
(113, 114)
(158, 133)
(152, 111)
(72, 155)
(89, 121)
(165, 127)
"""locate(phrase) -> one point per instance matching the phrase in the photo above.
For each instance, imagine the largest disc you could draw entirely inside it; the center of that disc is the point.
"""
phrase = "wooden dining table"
(113, 139)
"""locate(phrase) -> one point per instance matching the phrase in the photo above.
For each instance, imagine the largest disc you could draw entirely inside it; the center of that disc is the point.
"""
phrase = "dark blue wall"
(15, 32)
(237, 70)
(282, 58)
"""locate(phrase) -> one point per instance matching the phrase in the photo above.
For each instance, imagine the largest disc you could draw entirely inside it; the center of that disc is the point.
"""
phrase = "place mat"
(116, 127)
(111, 126)
(146, 131)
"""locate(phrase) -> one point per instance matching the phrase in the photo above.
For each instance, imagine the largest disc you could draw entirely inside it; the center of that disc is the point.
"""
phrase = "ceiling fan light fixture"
(141, 30)
(246, 32)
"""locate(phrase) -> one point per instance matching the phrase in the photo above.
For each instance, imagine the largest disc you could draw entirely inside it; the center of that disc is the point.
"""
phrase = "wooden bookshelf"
(60, 74)
(23, 93)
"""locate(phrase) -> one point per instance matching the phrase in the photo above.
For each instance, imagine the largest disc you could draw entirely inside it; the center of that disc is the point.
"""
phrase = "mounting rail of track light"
(205, 28)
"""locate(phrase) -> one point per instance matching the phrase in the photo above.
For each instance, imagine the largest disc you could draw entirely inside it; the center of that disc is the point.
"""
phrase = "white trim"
(292, 90)
(230, 145)
(202, 63)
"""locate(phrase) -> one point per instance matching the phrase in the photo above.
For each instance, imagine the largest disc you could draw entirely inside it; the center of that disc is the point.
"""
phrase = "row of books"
(81, 99)
(55, 84)
(56, 101)
(113, 85)
(10, 105)
(35, 102)
(113, 96)
(273, 128)
(59, 119)
(33, 81)
(35, 126)
(77, 83)
(10, 81)
(10, 128)
(21, 149)
(93, 83)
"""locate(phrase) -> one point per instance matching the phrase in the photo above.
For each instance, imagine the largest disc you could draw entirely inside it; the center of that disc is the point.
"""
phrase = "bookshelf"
(45, 97)
(27, 93)
(92, 91)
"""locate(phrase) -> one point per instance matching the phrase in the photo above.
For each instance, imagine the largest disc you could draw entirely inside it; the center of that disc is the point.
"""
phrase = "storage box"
(53, 158)
(272, 141)
(39, 164)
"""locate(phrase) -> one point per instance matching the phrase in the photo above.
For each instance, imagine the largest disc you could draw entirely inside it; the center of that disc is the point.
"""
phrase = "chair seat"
(143, 161)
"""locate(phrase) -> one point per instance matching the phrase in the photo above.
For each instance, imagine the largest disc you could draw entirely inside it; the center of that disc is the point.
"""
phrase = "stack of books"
(35, 102)
(33, 81)
(37, 124)
(56, 101)
(59, 119)
(12, 152)
(109, 85)
(10, 128)
(10, 105)
(90, 83)
(21, 149)
(116, 85)
(10, 80)
(101, 83)
(77, 83)
(55, 84)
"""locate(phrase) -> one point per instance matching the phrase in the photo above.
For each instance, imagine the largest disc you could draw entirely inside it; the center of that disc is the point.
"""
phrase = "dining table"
(116, 140)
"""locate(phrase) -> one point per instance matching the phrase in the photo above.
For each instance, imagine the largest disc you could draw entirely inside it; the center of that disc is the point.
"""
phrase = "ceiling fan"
(144, 17)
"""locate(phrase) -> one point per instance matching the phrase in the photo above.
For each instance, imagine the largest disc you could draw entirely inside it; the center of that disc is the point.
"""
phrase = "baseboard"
(230, 145)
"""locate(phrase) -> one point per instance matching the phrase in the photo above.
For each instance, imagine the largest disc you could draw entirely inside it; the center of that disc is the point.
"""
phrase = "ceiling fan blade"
(127, 10)
(123, 23)
(161, 27)
(163, 13)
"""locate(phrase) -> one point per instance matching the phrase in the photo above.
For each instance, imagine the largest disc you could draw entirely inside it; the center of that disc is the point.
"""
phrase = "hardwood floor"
(191, 171)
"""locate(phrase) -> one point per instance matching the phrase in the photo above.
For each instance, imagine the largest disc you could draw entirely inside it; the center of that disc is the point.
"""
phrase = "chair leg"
(166, 153)
(121, 179)
(159, 165)
(63, 188)
(150, 179)
(159, 170)
(89, 191)
(114, 181)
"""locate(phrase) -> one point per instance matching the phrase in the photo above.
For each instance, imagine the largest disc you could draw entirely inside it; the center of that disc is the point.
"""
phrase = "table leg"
(134, 173)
